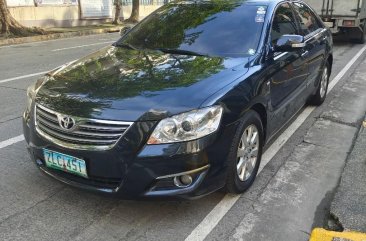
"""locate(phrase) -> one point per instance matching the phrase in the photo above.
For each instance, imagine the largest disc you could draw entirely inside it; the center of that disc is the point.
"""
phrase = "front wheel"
(321, 92)
(245, 154)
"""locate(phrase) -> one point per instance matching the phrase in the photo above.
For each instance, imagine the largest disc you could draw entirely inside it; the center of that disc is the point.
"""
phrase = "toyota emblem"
(67, 123)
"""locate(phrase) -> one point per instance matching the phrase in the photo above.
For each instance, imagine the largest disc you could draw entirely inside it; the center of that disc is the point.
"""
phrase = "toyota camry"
(183, 103)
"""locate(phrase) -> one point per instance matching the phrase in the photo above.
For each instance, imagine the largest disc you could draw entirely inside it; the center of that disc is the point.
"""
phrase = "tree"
(134, 18)
(118, 5)
(11, 26)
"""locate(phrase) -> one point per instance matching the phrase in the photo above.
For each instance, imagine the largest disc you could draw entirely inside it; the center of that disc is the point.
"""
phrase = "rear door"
(314, 33)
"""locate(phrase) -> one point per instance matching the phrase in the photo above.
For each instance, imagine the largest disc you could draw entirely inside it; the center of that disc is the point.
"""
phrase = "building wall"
(145, 10)
(65, 16)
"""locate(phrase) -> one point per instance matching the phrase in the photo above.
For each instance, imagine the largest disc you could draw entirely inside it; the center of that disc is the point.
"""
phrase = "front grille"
(88, 134)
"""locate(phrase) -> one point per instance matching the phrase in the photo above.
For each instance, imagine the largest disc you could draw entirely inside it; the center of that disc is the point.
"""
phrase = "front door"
(290, 70)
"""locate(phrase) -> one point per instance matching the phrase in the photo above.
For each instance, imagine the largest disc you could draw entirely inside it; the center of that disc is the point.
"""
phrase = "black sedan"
(183, 104)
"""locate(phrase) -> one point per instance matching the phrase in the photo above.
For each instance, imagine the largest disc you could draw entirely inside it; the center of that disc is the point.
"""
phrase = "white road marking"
(11, 141)
(220, 210)
(82, 46)
(345, 69)
(23, 77)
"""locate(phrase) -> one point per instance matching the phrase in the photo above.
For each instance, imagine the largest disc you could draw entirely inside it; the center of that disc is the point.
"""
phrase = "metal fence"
(147, 2)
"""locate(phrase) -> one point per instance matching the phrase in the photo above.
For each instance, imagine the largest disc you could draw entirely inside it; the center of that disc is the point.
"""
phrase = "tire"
(236, 182)
(362, 38)
(321, 92)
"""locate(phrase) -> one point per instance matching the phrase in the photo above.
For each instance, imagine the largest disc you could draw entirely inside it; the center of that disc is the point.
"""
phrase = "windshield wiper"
(180, 51)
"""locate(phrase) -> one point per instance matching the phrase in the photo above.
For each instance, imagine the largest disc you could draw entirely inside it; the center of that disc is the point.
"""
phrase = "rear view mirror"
(288, 43)
(124, 30)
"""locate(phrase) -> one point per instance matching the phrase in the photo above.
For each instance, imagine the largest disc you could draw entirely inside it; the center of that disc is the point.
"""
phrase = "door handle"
(305, 54)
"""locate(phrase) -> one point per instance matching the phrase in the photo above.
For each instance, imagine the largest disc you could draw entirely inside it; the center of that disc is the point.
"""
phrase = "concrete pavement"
(349, 207)
(292, 194)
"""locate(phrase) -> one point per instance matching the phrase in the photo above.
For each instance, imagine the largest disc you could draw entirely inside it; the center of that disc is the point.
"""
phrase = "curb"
(324, 235)
(46, 37)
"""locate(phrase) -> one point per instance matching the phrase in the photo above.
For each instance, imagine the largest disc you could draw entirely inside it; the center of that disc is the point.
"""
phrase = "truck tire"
(362, 38)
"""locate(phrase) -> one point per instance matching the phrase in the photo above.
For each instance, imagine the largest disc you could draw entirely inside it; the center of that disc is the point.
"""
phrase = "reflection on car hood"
(123, 84)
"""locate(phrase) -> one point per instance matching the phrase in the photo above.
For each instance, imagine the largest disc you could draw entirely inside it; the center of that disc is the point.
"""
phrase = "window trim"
(321, 25)
(269, 39)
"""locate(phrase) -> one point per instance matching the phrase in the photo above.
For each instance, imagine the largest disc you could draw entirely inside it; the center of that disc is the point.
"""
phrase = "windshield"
(217, 28)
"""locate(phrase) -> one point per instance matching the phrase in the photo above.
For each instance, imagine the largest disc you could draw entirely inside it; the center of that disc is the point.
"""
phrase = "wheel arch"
(330, 62)
(262, 112)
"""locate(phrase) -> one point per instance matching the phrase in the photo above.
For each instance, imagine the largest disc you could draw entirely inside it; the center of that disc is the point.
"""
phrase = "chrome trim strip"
(314, 35)
(93, 146)
(72, 138)
(55, 127)
(184, 173)
(280, 56)
(73, 146)
(309, 37)
(86, 119)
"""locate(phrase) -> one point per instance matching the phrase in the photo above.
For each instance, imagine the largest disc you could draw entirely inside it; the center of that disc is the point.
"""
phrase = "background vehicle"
(347, 17)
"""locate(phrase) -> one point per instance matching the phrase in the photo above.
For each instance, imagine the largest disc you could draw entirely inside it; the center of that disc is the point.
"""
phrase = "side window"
(283, 22)
(307, 19)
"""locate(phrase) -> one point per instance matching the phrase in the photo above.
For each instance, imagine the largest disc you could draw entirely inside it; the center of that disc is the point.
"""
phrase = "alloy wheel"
(247, 154)
(324, 83)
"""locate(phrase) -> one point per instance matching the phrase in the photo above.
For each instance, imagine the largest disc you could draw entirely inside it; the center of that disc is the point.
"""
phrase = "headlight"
(32, 91)
(31, 94)
(187, 126)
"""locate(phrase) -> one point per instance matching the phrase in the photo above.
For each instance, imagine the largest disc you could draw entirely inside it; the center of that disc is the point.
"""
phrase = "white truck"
(343, 16)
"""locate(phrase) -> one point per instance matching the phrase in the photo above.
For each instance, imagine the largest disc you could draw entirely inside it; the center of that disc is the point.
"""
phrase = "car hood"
(132, 85)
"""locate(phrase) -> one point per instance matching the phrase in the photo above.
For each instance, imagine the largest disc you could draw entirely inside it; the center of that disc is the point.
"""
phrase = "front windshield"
(214, 28)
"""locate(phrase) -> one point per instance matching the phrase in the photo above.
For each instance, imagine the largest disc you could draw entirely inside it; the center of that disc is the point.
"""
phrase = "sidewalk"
(57, 33)
(349, 205)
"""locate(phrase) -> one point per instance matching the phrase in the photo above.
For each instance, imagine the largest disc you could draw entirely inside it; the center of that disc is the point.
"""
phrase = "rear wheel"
(321, 92)
(245, 154)
(362, 37)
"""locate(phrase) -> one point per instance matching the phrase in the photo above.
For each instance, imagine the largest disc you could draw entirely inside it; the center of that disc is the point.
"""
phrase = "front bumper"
(133, 170)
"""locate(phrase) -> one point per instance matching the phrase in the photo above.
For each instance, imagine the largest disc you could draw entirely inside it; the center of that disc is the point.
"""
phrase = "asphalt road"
(291, 195)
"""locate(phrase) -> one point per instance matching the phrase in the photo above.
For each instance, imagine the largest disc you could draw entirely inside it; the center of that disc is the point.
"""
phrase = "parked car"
(183, 104)
(343, 17)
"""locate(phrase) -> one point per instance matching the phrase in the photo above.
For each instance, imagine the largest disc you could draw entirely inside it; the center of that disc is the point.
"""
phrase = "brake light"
(349, 23)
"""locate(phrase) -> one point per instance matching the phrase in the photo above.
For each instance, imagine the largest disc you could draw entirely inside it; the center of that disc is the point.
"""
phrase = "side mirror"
(124, 30)
(288, 43)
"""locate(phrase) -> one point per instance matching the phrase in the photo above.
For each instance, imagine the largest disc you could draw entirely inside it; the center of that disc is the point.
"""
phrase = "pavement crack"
(334, 224)
(307, 233)
(15, 118)
(12, 88)
(332, 119)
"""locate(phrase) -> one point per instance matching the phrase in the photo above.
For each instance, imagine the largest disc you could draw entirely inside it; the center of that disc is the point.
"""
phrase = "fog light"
(183, 181)
(39, 162)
